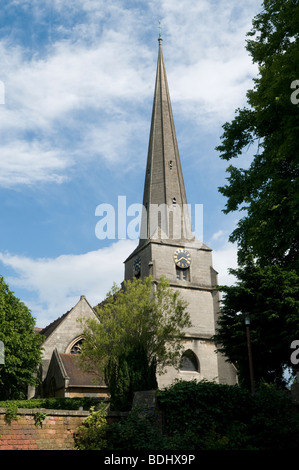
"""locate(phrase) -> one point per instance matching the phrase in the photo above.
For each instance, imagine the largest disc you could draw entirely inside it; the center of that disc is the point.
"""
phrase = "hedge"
(205, 415)
(52, 403)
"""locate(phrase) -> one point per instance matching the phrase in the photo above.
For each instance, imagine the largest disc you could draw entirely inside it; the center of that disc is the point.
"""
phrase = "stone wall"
(54, 433)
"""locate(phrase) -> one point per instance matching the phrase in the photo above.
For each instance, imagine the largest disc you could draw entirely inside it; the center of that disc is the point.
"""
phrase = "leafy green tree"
(140, 331)
(271, 297)
(268, 191)
(22, 346)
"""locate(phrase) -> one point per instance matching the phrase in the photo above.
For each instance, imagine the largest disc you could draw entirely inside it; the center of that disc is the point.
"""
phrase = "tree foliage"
(209, 416)
(128, 374)
(22, 346)
(91, 435)
(271, 296)
(140, 329)
(268, 190)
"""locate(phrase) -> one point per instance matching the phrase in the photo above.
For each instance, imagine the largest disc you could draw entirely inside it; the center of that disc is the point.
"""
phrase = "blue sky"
(78, 82)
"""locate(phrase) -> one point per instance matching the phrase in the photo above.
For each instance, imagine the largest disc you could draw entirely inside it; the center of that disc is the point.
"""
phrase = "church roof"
(47, 330)
(52, 326)
(77, 376)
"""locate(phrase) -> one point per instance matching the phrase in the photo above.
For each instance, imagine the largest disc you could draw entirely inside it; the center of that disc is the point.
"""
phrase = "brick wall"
(55, 432)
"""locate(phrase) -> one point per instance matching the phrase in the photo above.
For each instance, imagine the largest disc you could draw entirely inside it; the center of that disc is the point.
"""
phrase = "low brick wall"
(54, 433)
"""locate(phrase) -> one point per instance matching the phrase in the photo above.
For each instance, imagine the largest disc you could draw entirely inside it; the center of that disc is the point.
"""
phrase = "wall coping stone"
(53, 412)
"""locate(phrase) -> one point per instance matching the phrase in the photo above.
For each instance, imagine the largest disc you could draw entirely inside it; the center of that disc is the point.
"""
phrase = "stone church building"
(166, 247)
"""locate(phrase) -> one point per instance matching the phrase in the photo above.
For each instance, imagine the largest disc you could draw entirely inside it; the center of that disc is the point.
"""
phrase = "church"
(167, 248)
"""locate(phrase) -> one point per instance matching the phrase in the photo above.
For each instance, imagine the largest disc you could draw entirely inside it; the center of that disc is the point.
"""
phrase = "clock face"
(137, 265)
(182, 258)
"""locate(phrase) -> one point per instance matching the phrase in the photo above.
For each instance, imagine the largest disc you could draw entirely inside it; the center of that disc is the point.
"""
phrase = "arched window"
(189, 362)
(75, 346)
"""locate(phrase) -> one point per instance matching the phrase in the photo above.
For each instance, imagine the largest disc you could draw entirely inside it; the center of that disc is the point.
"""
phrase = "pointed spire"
(165, 204)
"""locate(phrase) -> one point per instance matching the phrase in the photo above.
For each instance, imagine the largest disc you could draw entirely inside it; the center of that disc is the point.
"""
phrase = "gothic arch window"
(189, 362)
(75, 346)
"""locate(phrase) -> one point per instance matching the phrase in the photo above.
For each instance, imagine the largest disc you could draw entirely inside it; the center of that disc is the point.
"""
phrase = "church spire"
(165, 212)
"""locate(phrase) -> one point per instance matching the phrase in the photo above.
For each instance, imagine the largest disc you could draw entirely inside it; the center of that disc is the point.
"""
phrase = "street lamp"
(247, 324)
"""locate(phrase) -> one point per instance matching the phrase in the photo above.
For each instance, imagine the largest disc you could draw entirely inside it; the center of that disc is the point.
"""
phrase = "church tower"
(168, 247)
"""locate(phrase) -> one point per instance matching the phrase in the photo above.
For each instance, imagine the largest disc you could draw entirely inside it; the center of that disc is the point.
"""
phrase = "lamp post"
(247, 324)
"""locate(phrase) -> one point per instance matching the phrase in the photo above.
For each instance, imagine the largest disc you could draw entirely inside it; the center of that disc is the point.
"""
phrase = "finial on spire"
(160, 32)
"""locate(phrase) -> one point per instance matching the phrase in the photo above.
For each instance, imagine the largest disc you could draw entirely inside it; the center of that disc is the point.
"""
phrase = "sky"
(76, 91)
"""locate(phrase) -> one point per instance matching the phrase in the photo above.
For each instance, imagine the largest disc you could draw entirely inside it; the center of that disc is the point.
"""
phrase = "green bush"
(205, 416)
(209, 416)
(11, 413)
(135, 432)
(91, 434)
(275, 420)
(53, 403)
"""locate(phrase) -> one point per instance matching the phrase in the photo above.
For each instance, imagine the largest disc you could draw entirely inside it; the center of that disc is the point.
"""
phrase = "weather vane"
(160, 30)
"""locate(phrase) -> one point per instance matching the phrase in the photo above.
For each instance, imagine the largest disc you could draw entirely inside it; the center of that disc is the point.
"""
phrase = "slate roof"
(77, 376)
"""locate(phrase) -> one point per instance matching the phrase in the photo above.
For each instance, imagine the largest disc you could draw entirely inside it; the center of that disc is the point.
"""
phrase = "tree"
(140, 331)
(271, 297)
(22, 346)
(127, 374)
(268, 190)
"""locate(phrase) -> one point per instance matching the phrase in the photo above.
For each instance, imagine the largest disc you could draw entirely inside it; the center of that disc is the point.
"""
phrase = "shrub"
(275, 421)
(91, 434)
(209, 416)
(53, 403)
(205, 416)
(11, 412)
(135, 432)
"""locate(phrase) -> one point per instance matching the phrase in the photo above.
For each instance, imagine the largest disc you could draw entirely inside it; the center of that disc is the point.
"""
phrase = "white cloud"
(92, 76)
(208, 67)
(225, 258)
(73, 77)
(57, 283)
(217, 235)
(29, 162)
(69, 106)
